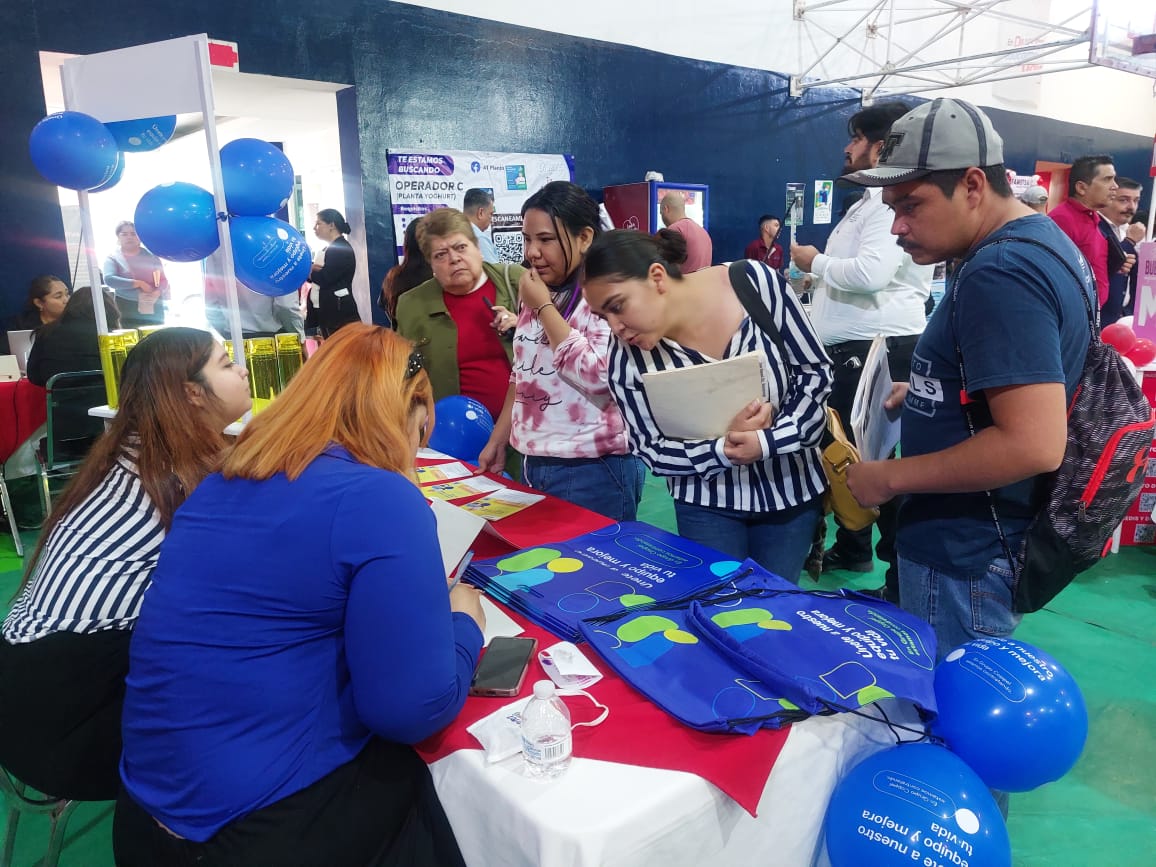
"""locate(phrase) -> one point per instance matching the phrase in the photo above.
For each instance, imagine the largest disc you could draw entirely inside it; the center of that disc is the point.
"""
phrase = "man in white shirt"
(478, 206)
(864, 285)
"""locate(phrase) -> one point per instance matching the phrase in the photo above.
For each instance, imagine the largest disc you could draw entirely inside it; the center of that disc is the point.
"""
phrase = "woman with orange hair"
(64, 652)
(293, 646)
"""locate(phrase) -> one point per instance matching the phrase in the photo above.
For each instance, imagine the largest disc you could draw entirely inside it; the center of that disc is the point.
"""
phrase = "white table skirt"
(603, 813)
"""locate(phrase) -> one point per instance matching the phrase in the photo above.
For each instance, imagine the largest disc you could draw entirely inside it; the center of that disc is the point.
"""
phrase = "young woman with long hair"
(558, 410)
(292, 648)
(64, 653)
(756, 491)
(412, 271)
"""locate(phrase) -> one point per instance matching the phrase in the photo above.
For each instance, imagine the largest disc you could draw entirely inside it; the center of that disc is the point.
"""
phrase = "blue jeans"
(960, 607)
(777, 541)
(610, 485)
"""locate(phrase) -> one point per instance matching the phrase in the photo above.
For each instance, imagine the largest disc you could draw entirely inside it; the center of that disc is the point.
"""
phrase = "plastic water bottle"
(546, 740)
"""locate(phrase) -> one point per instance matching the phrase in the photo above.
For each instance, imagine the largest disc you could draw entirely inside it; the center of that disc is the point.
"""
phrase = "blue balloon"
(1011, 712)
(143, 133)
(269, 255)
(178, 221)
(115, 179)
(258, 177)
(73, 150)
(914, 798)
(462, 427)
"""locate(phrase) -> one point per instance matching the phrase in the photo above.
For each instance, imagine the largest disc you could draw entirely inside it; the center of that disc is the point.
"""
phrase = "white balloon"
(1125, 320)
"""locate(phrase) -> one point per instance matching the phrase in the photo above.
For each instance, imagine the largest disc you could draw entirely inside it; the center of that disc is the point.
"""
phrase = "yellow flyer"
(462, 488)
(500, 505)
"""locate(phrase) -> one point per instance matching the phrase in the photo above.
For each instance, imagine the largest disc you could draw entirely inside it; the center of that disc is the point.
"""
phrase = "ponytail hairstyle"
(626, 254)
(334, 218)
(570, 207)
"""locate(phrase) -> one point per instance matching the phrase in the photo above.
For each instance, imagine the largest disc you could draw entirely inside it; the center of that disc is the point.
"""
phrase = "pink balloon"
(1120, 336)
(1142, 353)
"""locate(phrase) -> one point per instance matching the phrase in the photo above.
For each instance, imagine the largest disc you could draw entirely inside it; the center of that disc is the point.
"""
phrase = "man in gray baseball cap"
(1014, 321)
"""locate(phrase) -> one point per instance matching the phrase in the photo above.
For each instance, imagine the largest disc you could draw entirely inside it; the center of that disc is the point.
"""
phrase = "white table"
(603, 813)
(108, 413)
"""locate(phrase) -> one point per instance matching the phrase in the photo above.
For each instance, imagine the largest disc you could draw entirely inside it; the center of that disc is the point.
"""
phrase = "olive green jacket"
(423, 318)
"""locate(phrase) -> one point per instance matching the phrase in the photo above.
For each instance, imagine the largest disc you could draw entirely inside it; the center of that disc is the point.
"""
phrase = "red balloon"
(1142, 353)
(1119, 336)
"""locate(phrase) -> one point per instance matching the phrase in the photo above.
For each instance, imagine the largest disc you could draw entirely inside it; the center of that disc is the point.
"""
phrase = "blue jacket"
(287, 624)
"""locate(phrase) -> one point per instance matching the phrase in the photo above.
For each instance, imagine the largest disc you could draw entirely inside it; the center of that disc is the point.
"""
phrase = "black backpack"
(1110, 431)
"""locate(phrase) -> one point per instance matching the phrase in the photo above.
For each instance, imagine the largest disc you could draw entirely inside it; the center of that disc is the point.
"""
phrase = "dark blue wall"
(447, 81)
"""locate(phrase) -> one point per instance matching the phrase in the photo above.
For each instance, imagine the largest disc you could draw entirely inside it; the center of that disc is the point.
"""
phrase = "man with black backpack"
(984, 420)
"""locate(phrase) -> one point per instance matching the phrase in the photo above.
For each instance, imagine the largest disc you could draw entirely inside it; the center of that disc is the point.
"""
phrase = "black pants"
(60, 708)
(848, 359)
(379, 809)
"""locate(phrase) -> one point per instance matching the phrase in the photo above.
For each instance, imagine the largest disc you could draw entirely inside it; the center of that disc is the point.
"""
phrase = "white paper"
(875, 429)
(457, 530)
(498, 623)
(433, 455)
(698, 402)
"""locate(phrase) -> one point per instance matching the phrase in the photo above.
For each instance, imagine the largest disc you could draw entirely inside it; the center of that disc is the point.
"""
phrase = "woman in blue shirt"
(294, 645)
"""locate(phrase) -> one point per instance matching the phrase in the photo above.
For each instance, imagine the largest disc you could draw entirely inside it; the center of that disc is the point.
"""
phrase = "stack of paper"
(875, 429)
(557, 585)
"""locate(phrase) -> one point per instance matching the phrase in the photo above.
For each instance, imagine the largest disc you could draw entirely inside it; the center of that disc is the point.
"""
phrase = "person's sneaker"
(834, 559)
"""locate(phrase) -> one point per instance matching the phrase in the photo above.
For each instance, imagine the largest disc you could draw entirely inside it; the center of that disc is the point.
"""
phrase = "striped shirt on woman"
(96, 564)
(698, 471)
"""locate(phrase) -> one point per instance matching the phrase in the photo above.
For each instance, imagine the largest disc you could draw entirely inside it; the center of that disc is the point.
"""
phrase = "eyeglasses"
(416, 362)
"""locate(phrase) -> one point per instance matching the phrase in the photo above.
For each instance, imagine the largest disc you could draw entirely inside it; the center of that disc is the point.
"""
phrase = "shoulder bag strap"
(749, 297)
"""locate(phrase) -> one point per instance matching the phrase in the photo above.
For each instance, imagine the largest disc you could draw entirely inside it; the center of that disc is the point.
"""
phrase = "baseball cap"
(1036, 195)
(940, 135)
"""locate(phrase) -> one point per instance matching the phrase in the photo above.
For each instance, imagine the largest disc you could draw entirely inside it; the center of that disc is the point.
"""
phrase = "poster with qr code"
(421, 181)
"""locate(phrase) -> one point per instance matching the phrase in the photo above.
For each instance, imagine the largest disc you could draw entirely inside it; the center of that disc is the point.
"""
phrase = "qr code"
(1147, 503)
(509, 246)
(1145, 534)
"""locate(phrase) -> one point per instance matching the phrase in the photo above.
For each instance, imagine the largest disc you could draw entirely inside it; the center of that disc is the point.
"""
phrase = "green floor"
(1102, 628)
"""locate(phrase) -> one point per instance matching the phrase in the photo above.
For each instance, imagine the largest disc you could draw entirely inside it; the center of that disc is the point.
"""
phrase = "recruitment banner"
(422, 181)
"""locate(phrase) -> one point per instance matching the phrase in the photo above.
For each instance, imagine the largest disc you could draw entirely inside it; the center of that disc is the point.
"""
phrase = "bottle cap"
(543, 688)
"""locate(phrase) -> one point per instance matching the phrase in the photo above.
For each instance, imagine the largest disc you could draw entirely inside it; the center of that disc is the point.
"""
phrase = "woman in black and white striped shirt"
(64, 653)
(756, 491)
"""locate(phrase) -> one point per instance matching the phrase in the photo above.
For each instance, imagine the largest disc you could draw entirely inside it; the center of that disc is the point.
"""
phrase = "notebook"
(697, 402)
(20, 344)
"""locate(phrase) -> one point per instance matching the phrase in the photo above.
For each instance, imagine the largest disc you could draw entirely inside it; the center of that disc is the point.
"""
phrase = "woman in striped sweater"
(64, 652)
(756, 491)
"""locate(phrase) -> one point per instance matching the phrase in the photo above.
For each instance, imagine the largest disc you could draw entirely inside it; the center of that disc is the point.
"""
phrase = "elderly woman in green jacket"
(466, 347)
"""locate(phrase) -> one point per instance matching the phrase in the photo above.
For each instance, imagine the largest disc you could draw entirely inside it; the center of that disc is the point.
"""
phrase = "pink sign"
(1144, 323)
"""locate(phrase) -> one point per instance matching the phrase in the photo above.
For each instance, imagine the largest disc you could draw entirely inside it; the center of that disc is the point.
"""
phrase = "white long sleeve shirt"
(864, 284)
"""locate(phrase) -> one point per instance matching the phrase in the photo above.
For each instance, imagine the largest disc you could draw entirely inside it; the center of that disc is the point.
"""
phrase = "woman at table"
(64, 653)
(558, 411)
(290, 651)
(138, 279)
(465, 350)
(757, 491)
(47, 298)
(70, 343)
(334, 305)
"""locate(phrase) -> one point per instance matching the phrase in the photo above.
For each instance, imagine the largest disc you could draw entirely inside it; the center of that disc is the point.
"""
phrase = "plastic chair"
(58, 810)
(6, 507)
(71, 431)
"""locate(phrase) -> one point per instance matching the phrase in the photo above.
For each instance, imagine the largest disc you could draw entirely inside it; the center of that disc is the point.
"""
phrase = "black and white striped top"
(96, 565)
(697, 471)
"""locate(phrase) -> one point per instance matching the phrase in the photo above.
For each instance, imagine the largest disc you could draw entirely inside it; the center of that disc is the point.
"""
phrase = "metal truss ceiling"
(922, 44)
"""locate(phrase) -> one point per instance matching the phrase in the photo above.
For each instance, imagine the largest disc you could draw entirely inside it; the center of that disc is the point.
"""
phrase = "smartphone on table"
(502, 669)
